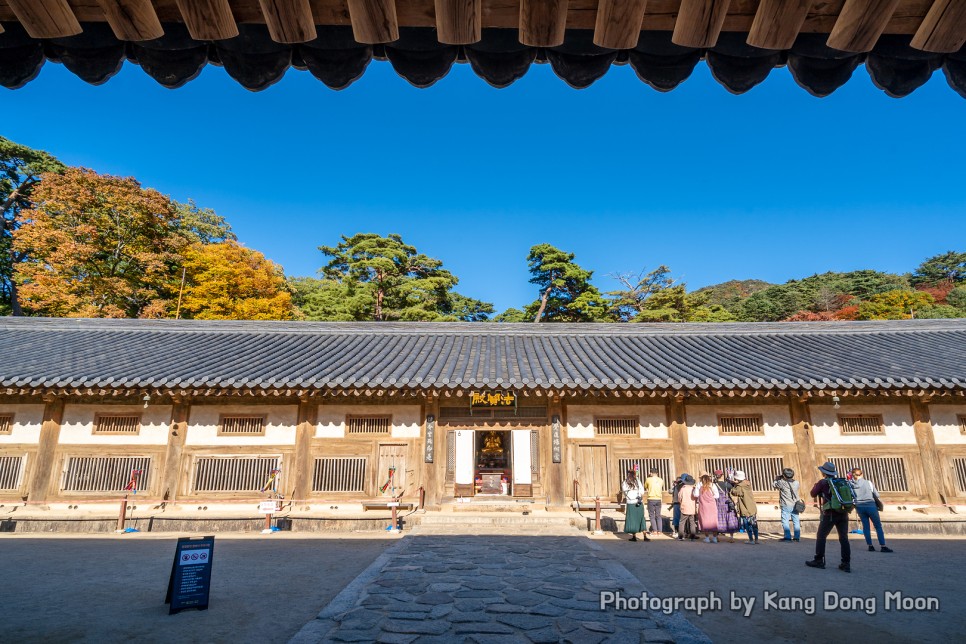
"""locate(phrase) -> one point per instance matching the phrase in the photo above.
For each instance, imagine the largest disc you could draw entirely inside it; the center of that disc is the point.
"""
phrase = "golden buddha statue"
(492, 443)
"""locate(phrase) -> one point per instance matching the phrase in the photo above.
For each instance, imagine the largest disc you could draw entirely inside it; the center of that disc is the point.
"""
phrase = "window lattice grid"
(368, 425)
(104, 473)
(450, 456)
(534, 452)
(861, 424)
(888, 473)
(616, 426)
(247, 425)
(644, 465)
(117, 424)
(465, 413)
(6, 423)
(519, 412)
(740, 425)
(760, 471)
(959, 467)
(339, 474)
(234, 473)
(11, 472)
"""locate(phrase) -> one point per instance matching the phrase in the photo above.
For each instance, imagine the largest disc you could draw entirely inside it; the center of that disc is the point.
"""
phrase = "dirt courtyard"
(100, 588)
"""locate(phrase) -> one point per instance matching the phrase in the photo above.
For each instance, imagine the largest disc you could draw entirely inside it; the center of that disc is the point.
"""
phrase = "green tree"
(957, 298)
(21, 168)
(730, 294)
(895, 305)
(946, 266)
(939, 311)
(512, 315)
(202, 224)
(566, 294)
(632, 300)
(466, 309)
(325, 300)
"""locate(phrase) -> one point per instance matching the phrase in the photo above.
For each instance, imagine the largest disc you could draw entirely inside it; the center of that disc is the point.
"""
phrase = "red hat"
(718, 472)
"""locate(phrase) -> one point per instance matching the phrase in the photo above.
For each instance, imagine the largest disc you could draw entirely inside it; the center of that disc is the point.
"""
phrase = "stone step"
(498, 519)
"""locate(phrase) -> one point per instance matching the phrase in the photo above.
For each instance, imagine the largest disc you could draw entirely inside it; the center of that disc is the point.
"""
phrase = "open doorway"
(494, 463)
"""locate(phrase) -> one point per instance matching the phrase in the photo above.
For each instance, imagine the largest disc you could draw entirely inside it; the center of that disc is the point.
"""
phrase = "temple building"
(197, 410)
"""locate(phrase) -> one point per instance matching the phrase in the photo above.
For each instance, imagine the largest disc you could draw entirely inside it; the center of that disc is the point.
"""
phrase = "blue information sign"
(190, 578)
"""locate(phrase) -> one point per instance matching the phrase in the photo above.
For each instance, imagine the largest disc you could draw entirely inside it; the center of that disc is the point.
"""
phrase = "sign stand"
(270, 507)
(190, 580)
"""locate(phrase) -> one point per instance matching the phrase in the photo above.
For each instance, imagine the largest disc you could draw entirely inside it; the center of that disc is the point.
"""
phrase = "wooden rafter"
(699, 23)
(133, 20)
(543, 23)
(46, 18)
(208, 19)
(374, 21)
(459, 22)
(289, 21)
(619, 23)
(860, 24)
(943, 30)
(777, 23)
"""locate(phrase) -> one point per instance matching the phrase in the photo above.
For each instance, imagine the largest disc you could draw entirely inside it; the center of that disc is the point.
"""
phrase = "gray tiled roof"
(164, 354)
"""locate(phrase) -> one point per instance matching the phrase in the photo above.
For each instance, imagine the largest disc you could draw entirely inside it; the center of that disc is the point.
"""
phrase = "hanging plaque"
(430, 439)
(490, 399)
(556, 449)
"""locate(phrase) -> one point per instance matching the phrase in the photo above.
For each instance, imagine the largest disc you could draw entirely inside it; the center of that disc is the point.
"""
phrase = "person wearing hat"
(745, 503)
(676, 505)
(789, 502)
(689, 508)
(830, 519)
(654, 488)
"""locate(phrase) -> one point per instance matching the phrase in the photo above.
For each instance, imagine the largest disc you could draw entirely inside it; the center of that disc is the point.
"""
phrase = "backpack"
(841, 497)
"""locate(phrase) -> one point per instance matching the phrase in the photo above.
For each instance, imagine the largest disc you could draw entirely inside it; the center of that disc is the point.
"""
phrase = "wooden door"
(592, 471)
(391, 456)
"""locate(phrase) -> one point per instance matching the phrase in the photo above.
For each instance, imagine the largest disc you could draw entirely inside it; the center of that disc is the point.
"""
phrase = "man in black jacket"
(830, 518)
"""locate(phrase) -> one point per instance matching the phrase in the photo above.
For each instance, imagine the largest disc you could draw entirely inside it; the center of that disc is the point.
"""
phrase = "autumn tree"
(894, 305)
(20, 170)
(566, 294)
(226, 281)
(98, 246)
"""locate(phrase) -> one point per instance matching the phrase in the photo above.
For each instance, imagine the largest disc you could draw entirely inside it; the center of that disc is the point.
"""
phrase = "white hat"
(739, 475)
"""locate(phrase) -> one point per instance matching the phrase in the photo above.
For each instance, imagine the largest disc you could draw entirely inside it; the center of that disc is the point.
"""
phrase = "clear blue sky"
(774, 184)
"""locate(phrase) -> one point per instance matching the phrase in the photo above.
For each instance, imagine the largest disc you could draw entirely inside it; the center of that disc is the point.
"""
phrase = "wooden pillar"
(304, 431)
(171, 475)
(926, 440)
(208, 19)
(677, 425)
(373, 21)
(433, 473)
(558, 486)
(801, 418)
(459, 22)
(289, 22)
(40, 480)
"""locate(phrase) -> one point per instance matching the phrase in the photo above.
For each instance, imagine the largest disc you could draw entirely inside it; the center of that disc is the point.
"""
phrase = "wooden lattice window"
(241, 425)
(616, 426)
(962, 423)
(888, 474)
(11, 472)
(234, 473)
(6, 423)
(760, 471)
(644, 466)
(861, 423)
(117, 424)
(458, 412)
(339, 474)
(104, 473)
(450, 456)
(519, 412)
(534, 453)
(736, 424)
(369, 425)
(959, 467)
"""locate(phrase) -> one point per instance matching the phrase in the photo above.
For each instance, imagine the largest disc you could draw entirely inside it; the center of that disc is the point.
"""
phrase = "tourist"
(707, 496)
(747, 508)
(831, 518)
(727, 515)
(790, 503)
(633, 506)
(654, 487)
(867, 505)
(676, 506)
(689, 525)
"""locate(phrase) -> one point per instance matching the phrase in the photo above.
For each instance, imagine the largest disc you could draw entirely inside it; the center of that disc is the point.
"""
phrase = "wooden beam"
(289, 21)
(801, 418)
(677, 427)
(777, 23)
(46, 18)
(40, 480)
(308, 416)
(860, 24)
(459, 22)
(929, 457)
(543, 22)
(374, 21)
(699, 23)
(172, 466)
(619, 23)
(208, 19)
(133, 20)
(943, 30)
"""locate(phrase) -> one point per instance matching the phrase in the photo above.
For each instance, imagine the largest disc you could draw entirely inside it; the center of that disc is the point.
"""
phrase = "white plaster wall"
(27, 420)
(703, 425)
(406, 419)
(580, 419)
(897, 419)
(78, 425)
(280, 423)
(945, 425)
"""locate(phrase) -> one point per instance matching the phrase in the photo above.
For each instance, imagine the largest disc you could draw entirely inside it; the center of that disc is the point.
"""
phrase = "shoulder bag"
(799, 506)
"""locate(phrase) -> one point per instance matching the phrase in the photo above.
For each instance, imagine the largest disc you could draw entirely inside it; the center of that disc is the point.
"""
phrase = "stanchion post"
(597, 529)
(122, 515)
(395, 521)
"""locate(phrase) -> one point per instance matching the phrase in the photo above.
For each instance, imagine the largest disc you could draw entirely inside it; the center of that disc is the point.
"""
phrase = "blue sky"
(774, 184)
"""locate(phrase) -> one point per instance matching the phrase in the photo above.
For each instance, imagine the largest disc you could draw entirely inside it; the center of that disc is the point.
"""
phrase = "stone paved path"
(491, 587)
